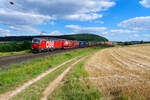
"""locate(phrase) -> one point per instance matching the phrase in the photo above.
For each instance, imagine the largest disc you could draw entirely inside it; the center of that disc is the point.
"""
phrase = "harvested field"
(121, 73)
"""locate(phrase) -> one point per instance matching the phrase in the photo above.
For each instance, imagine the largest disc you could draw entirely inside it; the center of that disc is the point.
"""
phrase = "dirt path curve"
(10, 94)
(53, 85)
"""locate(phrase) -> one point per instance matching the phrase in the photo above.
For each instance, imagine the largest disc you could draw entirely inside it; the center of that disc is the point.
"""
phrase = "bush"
(26, 45)
(10, 47)
(128, 43)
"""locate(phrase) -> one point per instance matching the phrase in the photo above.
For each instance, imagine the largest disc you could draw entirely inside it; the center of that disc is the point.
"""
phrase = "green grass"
(14, 53)
(14, 46)
(132, 96)
(34, 92)
(20, 73)
(76, 86)
(123, 97)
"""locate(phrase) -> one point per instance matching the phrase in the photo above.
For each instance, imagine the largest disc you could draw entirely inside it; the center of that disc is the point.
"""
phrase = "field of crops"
(121, 73)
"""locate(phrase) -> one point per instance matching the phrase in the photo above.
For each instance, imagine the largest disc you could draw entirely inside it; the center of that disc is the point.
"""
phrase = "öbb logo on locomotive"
(50, 44)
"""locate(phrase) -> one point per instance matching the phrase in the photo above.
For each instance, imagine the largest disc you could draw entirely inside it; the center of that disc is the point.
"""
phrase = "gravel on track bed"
(19, 58)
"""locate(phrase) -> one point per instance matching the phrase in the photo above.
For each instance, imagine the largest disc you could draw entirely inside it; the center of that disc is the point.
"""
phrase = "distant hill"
(78, 37)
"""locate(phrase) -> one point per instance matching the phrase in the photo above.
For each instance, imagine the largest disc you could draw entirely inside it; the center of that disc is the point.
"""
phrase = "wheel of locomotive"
(51, 49)
(33, 51)
(39, 50)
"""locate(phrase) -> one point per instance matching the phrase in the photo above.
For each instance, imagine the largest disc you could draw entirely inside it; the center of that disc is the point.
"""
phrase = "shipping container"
(83, 44)
(66, 44)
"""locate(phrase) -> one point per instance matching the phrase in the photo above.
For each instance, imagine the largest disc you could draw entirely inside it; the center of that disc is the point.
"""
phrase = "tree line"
(14, 46)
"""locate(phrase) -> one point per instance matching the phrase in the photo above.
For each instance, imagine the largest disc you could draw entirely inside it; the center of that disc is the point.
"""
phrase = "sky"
(117, 20)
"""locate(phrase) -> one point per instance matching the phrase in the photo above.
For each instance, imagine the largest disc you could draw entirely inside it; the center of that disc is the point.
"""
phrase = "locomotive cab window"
(36, 41)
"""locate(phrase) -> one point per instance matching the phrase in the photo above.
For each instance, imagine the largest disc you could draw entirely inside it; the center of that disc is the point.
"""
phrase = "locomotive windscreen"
(36, 41)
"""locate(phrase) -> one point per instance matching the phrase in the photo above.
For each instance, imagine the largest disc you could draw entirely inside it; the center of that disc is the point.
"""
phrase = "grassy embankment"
(18, 74)
(76, 86)
(34, 92)
(14, 53)
(14, 48)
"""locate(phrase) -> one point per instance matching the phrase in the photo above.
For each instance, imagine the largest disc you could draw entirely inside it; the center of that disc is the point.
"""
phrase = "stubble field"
(121, 73)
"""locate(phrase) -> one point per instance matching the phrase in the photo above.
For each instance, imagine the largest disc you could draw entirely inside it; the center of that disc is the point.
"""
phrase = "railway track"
(22, 57)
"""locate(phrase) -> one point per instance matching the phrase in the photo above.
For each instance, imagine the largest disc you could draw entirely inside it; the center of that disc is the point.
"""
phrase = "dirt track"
(10, 94)
(53, 85)
(122, 70)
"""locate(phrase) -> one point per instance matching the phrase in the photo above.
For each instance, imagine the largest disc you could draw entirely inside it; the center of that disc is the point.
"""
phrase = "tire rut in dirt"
(138, 65)
(8, 95)
(144, 50)
(103, 64)
(136, 54)
(133, 74)
(54, 84)
(131, 68)
(134, 58)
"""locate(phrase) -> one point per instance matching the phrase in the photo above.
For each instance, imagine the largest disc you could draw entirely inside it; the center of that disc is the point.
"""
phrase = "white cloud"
(121, 31)
(77, 28)
(137, 23)
(56, 33)
(11, 17)
(25, 28)
(62, 9)
(118, 31)
(135, 35)
(101, 22)
(21, 21)
(52, 23)
(4, 32)
(145, 3)
(25, 13)
(83, 17)
(147, 35)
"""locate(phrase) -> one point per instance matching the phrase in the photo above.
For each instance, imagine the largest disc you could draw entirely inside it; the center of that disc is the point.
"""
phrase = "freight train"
(45, 44)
